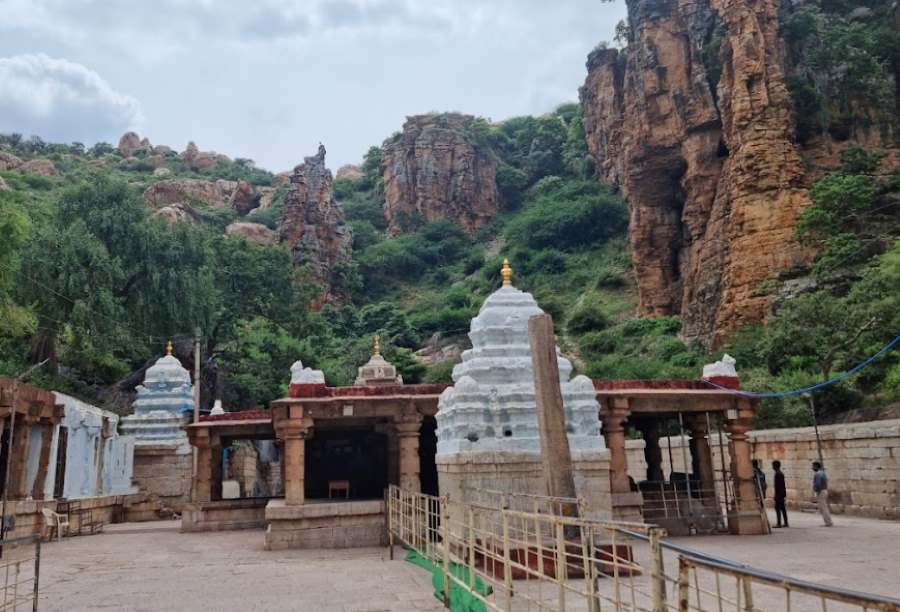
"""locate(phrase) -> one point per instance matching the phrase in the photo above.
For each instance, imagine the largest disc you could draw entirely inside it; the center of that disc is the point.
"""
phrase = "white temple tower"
(487, 424)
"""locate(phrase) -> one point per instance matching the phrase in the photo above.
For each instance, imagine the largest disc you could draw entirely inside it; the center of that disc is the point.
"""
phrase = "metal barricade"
(20, 570)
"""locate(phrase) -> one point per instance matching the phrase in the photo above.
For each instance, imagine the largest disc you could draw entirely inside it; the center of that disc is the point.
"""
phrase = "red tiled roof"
(245, 415)
(298, 391)
(674, 384)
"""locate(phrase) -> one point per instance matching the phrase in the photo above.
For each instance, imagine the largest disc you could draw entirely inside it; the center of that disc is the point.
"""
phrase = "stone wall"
(106, 510)
(164, 472)
(862, 461)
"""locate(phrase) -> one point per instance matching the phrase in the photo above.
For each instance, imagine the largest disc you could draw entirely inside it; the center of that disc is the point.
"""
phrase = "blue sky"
(270, 79)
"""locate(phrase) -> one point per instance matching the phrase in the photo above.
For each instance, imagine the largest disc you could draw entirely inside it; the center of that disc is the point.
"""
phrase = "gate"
(20, 570)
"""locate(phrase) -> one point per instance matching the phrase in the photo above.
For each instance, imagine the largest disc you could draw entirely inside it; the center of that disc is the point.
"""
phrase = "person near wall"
(780, 496)
(760, 481)
(820, 488)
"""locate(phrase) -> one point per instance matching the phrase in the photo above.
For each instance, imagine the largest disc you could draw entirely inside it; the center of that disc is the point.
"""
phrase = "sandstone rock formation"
(184, 191)
(3, 185)
(312, 226)
(244, 198)
(432, 170)
(129, 144)
(253, 232)
(8, 161)
(350, 172)
(282, 178)
(178, 213)
(200, 160)
(43, 167)
(715, 181)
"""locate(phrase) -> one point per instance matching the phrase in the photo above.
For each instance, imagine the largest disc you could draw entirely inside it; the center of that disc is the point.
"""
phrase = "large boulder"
(282, 178)
(43, 167)
(8, 161)
(162, 172)
(162, 150)
(184, 191)
(244, 198)
(266, 195)
(3, 185)
(177, 213)
(129, 144)
(350, 172)
(253, 232)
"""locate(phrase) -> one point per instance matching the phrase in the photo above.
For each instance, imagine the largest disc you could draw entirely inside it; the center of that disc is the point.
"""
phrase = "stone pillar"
(215, 472)
(203, 477)
(294, 432)
(701, 456)
(626, 504)
(746, 517)
(649, 429)
(408, 427)
(18, 473)
(37, 491)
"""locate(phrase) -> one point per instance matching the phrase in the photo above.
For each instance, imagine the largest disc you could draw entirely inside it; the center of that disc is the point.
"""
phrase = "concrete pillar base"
(746, 524)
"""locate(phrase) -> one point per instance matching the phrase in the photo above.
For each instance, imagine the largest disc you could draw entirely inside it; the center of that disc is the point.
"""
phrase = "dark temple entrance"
(359, 456)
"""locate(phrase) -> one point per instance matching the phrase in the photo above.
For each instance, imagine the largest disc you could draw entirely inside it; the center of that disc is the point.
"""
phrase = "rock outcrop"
(3, 185)
(200, 160)
(252, 232)
(714, 179)
(244, 198)
(185, 191)
(129, 144)
(312, 226)
(42, 167)
(177, 213)
(350, 172)
(433, 171)
(8, 161)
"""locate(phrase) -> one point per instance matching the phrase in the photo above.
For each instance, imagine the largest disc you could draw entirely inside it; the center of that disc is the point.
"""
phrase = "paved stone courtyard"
(150, 566)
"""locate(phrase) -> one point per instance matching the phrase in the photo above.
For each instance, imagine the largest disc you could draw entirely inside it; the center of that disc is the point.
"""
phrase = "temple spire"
(376, 346)
(506, 273)
(169, 347)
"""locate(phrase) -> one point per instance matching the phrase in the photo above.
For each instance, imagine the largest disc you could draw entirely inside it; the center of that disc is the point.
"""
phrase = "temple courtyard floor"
(151, 566)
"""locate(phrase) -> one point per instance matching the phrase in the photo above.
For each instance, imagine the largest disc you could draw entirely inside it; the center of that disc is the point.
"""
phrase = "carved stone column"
(203, 478)
(293, 432)
(701, 456)
(649, 429)
(37, 491)
(746, 517)
(18, 473)
(626, 504)
(408, 426)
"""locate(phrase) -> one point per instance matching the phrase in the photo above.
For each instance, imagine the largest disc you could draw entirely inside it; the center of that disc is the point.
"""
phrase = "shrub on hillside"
(588, 317)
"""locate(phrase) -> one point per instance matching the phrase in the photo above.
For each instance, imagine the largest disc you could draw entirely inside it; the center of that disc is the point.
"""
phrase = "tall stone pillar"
(626, 504)
(649, 429)
(37, 490)
(295, 431)
(408, 441)
(746, 518)
(701, 456)
(18, 474)
(203, 476)
(215, 456)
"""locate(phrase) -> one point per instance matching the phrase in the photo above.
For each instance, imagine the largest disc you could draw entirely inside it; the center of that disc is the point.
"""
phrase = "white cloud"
(62, 101)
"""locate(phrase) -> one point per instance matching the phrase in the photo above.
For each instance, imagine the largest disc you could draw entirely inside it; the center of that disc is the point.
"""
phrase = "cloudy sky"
(269, 79)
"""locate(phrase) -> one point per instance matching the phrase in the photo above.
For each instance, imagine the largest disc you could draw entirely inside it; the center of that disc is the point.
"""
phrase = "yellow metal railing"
(513, 560)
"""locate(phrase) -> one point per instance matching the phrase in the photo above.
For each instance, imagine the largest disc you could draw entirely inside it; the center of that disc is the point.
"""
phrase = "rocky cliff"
(313, 229)
(433, 171)
(695, 122)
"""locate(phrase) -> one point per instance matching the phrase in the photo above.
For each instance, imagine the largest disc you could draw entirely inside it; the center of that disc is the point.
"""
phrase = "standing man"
(820, 488)
(760, 481)
(780, 495)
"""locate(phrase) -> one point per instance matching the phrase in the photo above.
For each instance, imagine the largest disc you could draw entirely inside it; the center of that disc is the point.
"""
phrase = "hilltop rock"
(432, 170)
(350, 172)
(8, 161)
(184, 191)
(282, 178)
(154, 160)
(3, 185)
(266, 195)
(129, 144)
(162, 150)
(244, 198)
(253, 232)
(43, 167)
(200, 160)
(313, 228)
(177, 213)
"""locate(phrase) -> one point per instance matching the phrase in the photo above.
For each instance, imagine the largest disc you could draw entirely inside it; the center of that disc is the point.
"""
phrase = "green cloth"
(461, 600)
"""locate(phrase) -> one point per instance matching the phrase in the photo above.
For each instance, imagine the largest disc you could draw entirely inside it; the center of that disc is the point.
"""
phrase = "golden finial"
(376, 346)
(169, 347)
(506, 273)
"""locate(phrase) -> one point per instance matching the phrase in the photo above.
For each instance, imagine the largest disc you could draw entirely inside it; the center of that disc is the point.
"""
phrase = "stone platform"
(325, 524)
(224, 515)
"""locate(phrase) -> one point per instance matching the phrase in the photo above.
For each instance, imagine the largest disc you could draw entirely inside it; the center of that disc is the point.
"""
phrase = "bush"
(588, 317)
(439, 373)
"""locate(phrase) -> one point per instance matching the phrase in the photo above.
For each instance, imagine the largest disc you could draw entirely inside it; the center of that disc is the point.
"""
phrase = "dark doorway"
(356, 455)
(428, 477)
(59, 483)
(3, 453)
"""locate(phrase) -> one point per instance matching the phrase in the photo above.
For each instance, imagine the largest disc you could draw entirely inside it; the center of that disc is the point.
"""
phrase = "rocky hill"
(715, 119)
